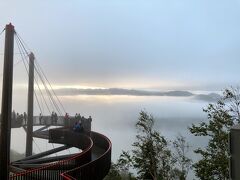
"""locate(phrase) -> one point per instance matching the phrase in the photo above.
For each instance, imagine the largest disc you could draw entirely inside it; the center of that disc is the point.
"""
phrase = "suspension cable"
(25, 45)
(46, 88)
(23, 58)
(2, 31)
(50, 86)
(35, 94)
(40, 105)
(36, 99)
(48, 92)
(41, 70)
(36, 145)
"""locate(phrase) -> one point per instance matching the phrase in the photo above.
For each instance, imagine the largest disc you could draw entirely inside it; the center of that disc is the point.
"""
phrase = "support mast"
(6, 112)
(30, 106)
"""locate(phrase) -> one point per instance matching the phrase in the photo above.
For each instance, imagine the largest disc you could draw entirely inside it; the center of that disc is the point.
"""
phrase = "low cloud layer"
(131, 92)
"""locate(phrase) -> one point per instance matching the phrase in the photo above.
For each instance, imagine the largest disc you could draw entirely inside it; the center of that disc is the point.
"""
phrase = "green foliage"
(113, 173)
(222, 116)
(116, 173)
(150, 156)
(184, 163)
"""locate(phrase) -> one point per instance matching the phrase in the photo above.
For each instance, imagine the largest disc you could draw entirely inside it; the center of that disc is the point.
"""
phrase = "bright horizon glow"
(163, 85)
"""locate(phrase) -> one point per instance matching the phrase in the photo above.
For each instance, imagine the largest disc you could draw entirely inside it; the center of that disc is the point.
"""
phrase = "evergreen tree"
(222, 115)
(113, 173)
(150, 156)
(119, 173)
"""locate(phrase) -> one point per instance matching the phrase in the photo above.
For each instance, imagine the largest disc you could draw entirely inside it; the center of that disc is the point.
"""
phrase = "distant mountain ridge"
(134, 92)
(212, 97)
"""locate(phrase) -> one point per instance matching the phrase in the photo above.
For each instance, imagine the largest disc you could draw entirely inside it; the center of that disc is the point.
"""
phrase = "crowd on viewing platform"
(77, 123)
(81, 123)
(19, 119)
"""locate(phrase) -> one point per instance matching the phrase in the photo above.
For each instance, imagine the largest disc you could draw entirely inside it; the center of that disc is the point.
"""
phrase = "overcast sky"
(151, 44)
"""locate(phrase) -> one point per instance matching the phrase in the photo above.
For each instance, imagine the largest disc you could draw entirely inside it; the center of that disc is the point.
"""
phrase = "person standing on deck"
(40, 118)
(76, 116)
(25, 118)
(55, 118)
(20, 118)
(66, 120)
(52, 117)
(16, 117)
(13, 116)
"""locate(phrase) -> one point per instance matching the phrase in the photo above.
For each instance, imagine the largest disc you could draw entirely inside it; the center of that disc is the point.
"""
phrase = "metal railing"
(96, 169)
(53, 171)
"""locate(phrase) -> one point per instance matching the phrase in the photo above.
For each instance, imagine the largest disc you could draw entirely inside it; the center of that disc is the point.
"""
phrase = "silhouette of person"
(25, 117)
(55, 118)
(40, 118)
(66, 119)
(52, 117)
(13, 116)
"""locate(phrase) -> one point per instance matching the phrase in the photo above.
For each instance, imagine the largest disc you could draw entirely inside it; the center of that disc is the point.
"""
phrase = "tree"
(183, 162)
(222, 115)
(113, 173)
(150, 156)
(117, 173)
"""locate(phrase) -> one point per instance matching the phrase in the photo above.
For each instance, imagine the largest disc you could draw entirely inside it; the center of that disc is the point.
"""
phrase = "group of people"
(54, 118)
(80, 123)
(78, 116)
(19, 118)
(78, 126)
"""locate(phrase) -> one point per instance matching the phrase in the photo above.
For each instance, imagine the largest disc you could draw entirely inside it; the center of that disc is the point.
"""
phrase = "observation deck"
(92, 163)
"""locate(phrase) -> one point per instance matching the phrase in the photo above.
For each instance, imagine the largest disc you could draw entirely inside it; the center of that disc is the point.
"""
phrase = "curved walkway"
(92, 163)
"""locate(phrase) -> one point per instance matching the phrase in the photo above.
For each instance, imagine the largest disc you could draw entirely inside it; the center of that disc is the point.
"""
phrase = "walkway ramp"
(92, 163)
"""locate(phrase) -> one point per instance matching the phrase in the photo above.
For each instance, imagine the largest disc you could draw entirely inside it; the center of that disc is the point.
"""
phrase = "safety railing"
(96, 169)
(53, 171)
